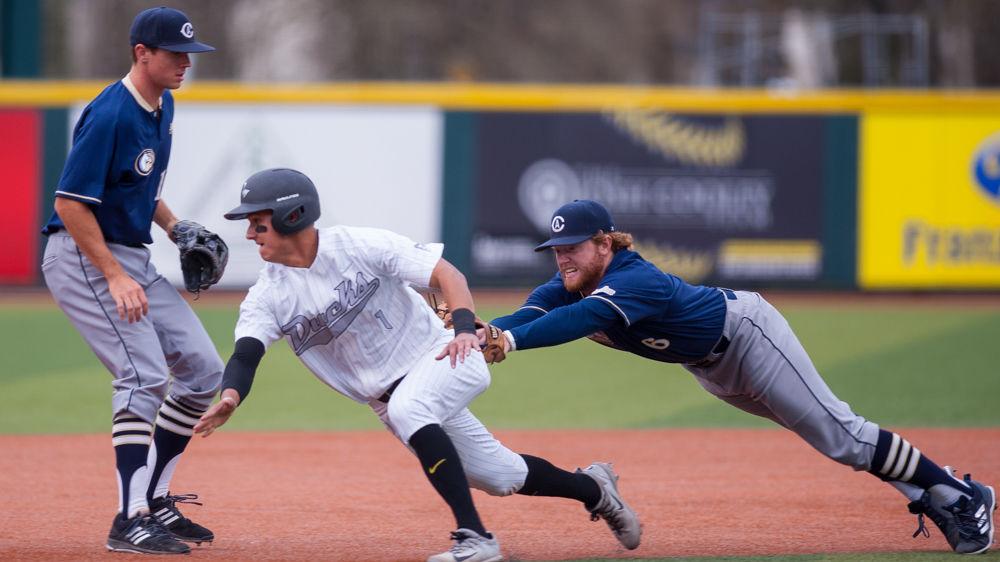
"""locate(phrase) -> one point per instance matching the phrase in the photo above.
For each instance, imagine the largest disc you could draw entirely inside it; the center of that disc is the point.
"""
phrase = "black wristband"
(464, 321)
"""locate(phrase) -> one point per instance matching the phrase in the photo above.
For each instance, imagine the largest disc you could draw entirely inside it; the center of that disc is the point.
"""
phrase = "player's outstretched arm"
(455, 291)
(236, 382)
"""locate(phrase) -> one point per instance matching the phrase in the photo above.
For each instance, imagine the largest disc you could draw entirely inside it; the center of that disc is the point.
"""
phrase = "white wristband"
(510, 340)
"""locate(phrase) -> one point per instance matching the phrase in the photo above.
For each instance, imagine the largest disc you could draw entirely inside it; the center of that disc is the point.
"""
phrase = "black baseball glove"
(203, 255)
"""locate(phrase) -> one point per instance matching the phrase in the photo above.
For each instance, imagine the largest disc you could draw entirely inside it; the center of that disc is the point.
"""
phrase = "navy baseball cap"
(165, 28)
(577, 221)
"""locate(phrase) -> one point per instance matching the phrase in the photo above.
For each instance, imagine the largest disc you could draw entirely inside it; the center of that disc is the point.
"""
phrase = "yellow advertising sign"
(929, 200)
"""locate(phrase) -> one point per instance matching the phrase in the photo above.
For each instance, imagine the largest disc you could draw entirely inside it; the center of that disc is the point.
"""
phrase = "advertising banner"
(929, 201)
(20, 146)
(373, 166)
(726, 199)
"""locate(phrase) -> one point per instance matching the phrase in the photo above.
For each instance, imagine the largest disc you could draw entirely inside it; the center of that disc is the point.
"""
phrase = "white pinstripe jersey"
(351, 317)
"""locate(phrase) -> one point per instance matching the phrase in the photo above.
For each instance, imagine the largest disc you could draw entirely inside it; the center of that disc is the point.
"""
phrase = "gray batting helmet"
(288, 193)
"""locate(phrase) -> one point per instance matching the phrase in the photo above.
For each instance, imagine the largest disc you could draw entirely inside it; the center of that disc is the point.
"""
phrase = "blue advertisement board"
(723, 199)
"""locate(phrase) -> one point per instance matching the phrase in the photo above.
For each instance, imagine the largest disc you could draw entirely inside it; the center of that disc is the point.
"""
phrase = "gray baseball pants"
(765, 371)
(141, 356)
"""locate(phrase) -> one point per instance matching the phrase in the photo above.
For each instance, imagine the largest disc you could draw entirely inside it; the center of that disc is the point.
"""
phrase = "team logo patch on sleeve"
(144, 162)
(606, 290)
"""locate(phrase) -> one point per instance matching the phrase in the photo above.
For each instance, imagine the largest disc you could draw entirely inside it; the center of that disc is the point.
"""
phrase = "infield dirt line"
(361, 496)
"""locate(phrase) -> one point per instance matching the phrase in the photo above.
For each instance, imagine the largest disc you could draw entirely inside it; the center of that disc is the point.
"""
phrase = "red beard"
(587, 276)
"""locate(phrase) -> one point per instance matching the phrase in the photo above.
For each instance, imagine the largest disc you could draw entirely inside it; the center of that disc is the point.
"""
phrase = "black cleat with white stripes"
(143, 534)
(165, 511)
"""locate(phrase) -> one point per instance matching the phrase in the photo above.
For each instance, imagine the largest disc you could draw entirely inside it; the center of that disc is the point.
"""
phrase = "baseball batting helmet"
(289, 194)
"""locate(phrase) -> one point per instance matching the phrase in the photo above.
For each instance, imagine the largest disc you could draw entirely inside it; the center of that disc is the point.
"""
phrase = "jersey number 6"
(656, 344)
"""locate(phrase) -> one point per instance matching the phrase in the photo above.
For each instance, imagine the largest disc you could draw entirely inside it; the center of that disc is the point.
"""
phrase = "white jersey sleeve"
(257, 319)
(398, 256)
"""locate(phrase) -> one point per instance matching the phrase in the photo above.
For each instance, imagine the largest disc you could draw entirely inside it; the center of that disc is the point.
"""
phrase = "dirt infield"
(360, 496)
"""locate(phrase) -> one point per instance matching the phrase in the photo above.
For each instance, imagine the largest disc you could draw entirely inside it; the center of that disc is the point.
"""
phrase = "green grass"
(898, 367)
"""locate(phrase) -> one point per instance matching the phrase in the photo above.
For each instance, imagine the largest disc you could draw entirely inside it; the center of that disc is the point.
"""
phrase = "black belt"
(128, 244)
(723, 344)
(717, 352)
(106, 239)
(721, 347)
(388, 393)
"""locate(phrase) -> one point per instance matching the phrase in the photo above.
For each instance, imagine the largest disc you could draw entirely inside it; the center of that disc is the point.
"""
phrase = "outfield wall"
(877, 190)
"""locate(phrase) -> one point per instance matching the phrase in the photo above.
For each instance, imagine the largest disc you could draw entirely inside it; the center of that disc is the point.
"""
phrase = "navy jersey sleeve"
(634, 293)
(87, 165)
(565, 324)
(542, 300)
(520, 316)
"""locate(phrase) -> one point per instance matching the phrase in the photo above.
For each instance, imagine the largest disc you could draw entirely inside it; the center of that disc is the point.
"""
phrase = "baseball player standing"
(738, 347)
(97, 267)
(342, 298)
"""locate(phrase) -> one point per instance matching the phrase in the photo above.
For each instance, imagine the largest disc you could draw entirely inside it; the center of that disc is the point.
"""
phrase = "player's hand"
(493, 342)
(130, 299)
(459, 348)
(216, 416)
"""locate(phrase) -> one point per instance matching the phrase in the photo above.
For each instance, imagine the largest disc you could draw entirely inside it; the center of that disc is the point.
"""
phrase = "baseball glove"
(441, 309)
(203, 255)
(494, 350)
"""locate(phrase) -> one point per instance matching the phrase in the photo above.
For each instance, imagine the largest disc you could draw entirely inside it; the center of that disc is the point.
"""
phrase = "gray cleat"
(967, 523)
(621, 519)
(470, 546)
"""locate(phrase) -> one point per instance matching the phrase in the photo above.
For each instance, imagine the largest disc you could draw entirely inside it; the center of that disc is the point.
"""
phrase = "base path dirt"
(360, 496)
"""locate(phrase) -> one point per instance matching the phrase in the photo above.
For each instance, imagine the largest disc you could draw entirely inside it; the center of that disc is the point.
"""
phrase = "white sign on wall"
(373, 166)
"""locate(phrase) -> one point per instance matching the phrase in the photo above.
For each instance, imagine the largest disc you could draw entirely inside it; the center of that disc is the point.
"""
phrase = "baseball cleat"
(621, 519)
(967, 523)
(470, 546)
(165, 511)
(143, 534)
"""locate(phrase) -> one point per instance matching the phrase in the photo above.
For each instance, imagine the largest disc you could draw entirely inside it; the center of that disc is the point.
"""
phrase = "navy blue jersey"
(118, 163)
(635, 308)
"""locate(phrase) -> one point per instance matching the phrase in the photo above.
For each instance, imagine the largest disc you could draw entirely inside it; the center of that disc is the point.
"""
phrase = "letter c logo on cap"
(558, 223)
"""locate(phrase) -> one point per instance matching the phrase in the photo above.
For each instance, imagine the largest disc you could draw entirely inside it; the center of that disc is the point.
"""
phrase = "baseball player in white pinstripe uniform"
(342, 297)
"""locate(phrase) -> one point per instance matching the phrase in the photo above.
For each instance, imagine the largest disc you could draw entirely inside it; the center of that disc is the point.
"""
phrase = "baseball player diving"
(738, 347)
(342, 298)
(96, 264)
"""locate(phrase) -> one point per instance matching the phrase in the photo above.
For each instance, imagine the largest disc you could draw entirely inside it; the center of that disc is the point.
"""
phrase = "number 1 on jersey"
(381, 316)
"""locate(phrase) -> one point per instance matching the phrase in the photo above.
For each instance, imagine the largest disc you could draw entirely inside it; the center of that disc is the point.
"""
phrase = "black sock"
(896, 459)
(174, 428)
(546, 479)
(443, 468)
(131, 436)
